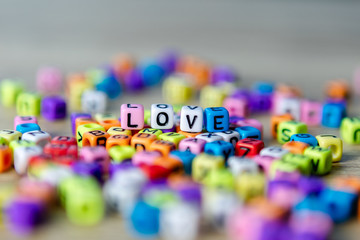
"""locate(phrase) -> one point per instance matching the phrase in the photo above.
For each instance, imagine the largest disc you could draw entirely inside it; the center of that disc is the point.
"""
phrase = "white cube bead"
(93, 101)
(191, 119)
(39, 137)
(210, 137)
(55, 175)
(289, 105)
(162, 116)
(238, 165)
(273, 151)
(22, 156)
(230, 136)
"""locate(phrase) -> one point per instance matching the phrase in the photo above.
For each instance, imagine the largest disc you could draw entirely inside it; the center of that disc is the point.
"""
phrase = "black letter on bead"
(191, 124)
(158, 119)
(129, 121)
(216, 127)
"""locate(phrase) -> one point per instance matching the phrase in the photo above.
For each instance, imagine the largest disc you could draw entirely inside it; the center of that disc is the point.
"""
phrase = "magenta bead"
(221, 74)
(236, 106)
(49, 80)
(311, 112)
(264, 162)
(145, 157)
(95, 154)
(24, 119)
(194, 145)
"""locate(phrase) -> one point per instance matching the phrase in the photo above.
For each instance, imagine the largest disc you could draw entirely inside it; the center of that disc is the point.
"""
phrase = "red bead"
(60, 150)
(248, 147)
(154, 172)
(63, 140)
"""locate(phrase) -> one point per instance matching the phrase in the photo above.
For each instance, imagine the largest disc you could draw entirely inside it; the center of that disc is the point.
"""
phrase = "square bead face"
(203, 164)
(230, 136)
(305, 138)
(289, 128)
(332, 115)
(53, 108)
(288, 105)
(93, 101)
(240, 165)
(216, 119)
(311, 112)
(236, 106)
(132, 116)
(162, 116)
(248, 147)
(191, 119)
(28, 104)
(145, 157)
(24, 119)
(193, 145)
(321, 159)
(219, 148)
(39, 137)
(350, 130)
(274, 151)
(302, 162)
(209, 137)
(172, 137)
(248, 132)
(10, 135)
(250, 122)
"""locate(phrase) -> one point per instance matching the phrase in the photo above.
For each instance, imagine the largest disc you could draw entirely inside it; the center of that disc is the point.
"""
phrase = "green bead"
(173, 137)
(120, 153)
(3, 141)
(10, 135)
(28, 104)
(86, 128)
(250, 185)
(10, 90)
(220, 179)
(147, 116)
(203, 164)
(20, 143)
(95, 76)
(302, 162)
(160, 198)
(154, 131)
(177, 108)
(104, 116)
(282, 166)
(321, 159)
(350, 130)
(288, 128)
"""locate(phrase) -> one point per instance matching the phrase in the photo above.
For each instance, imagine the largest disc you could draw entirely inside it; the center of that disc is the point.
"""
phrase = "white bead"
(230, 136)
(289, 105)
(162, 116)
(40, 138)
(210, 137)
(240, 165)
(55, 175)
(273, 151)
(191, 119)
(93, 101)
(22, 156)
(179, 221)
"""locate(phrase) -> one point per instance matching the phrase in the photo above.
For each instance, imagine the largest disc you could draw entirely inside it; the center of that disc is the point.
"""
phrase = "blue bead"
(145, 219)
(110, 85)
(264, 87)
(248, 132)
(312, 203)
(341, 205)
(152, 73)
(27, 127)
(216, 119)
(305, 138)
(219, 148)
(332, 114)
(186, 157)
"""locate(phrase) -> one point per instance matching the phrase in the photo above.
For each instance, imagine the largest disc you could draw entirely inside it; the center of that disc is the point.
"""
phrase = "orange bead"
(122, 64)
(276, 120)
(142, 141)
(81, 121)
(95, 138)
(347, 183)
(164, 147)
(197, 68)
(338, 89)
(118, 140)
(108, 123)
(5, 158)
(188, 134)
(266, 208)
(36, 189)
(295, 147)
(170, 163)
(289, 90)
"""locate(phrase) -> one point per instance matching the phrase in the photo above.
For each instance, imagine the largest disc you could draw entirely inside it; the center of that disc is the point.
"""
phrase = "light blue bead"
(152, 73)
(264, 87)
(27, 127)
(186, 157)
(219, 148)
(248, 132)
(110, 85)
(332, 114)
(312, 203)
(305, 138)
(145, 219)
(216, 119)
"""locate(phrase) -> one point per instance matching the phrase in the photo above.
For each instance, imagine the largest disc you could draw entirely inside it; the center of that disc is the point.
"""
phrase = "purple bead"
(89, 169)
(23, 214)
(73, 118)
(235, 119)
(173, 129)
(311, 185)
(241, 93)
(190, 193)
(275, 230)
(159, 184)
(260, 102)
(169, 61)
(53, 108)
(133, 80)
(274, 184)
(117, 167)
(222, 74)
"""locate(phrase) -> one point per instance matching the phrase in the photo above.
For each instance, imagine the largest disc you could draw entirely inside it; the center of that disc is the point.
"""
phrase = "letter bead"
(22, 155)
(118, 131)
(236, 106)
(86, 128)
(350, 130)
(27, 127)
(162, 116)
(109, 123)
(216, 119)
(93, 101)
(164, 147)
(73, 118)
(238, 165)
(24, 119)
(53, 108)
(302, 162)
(219, 148)
(248, 132)
(142, 141)
(333, 143)
(186, 157)
(172, 137)
(250, 185)
(191, 119)
(209, 137)
(332, 114)
(5, 158)
(95, 138)
(276, 120)
(121, 153)
(321, 159)
(39, 137)
(49, 80)
(274, 151)
(249, 122)
(28, 104)
(118, 140)
(230, 136)
(248, 147)
(193, 145)
(64, 140)
(296, 147)
(305, 138)
(154, 131)
(203, 164)
(132, 116)
(97, 154)
(311, 112)
(145, 157)
(9, 91)
(10, 135)
(288, 128)
(289, 105)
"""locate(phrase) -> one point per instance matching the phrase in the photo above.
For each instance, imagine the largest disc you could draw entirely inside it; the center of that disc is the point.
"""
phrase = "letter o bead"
(162, 116)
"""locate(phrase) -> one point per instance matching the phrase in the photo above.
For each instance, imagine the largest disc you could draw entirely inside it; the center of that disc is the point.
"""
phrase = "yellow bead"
(221, 179)
(76, 88)
(121, 153)
(6, 193)
(211, 96)
(177, 89)
(350, 130)
(86, 128)
(250, 185)
(119, 130)
(154, 131)
(10, 135)
(28, 104)
(321, 159)
(204, 163)
(333, 143)
(10, 90)
(172, 137)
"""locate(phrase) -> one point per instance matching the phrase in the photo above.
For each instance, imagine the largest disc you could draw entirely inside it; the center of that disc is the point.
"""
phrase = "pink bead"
(24, 119)
(132, 116)
(264, 162)
(356, 81)
(95, 154)
(194, 145)
(244, 224)
(49, 80)
(293, 177)
(236, 106)
(145, 157)
(311, 112)
(285, 197)
(251, 122)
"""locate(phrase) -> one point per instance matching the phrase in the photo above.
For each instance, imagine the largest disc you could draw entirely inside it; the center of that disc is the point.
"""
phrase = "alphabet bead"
(295, 147)
(211, 96)
(95, 154)
(162, 116)
(49, 80)
(145, 157)
(216, 119)
(73, 118)
(333, 143)
(186, 157)
(172, 137)
(278, 167)
(17, 143)
(24, 119)
(39, 137)
(76, 86)
(173, 164)
(27, 127)
(250, 122)
(84, 169)
(191, 119)
(189, 135)
(303, 163)
(9, 135)
(264, 162)
(305, 138)
(219, 148)
(144, 219)
(250, 185)
(164, 147)
(86, 128)
(203, 164)
(95, 138)
(321, 159)
(177, 88)
(287, 128)
(193, 145)
(350, 129)
(209, 137)
(276, 120)
(220, 179)
(132, 116)
(118, 131)
(22, 155)
(109, 123)
(60, 150)
(236, 106)
(142, 141)
(64, 140)
(238, 165)
(81, 121)
(260, 102)
(230, 136)
(332, 114)
(53, 108)
(28, 104)
(288, 105)
(118, 140)
(311, 112)
(10, 90)
(93, 101)
(248, 147)
(5, 158)
(337, 89)
(248, 132)
(274, 151)
(154, 131)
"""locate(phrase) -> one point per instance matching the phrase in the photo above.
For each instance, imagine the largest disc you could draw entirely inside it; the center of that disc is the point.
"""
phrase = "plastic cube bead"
(27, 127)
(238, 165)
(73, 118)
(203, 164)
(264, 163)
(177, 88)
(305, 138)
(193, 145)
(109, 85)
(260, 102)
(219, 148)
(173, 164)
(280, 166)
(321, 159)
(220, 179)
(142, 141)
(186, 158)
(84, 169)
(209, 137)
(10, 90)
(276, 120)
(303, 163)
(9, 135)
(164, 147)
(64, 140)
(162, 116)
(295, 147)
(118, 131)
(250, 185)
(236, 106)
(95, 138)
(96, 154)
(350, 129)
(5, 158)
(39, 137)
(58, 151)
(248, 132)
(211, 96)
(288, 128)
(337, 89)
(118, 140)
(144, 220)
(93, 101)
(230, 136)
(49, 80)
(154, 131)
(289, 105)
(17, 143)
(145, 157)
(28, 104)
(311, 112)
(132, 116)
(333, 143)
(109, 123)
(250, 122)
(172, 137)
(22, 156)
(248, 147)
(191, 119)
(24, 119)
(77, 85)
(332, 115)
(216, 119)
(274, 151)
(86, 128)
(152, 72)
(188, 134)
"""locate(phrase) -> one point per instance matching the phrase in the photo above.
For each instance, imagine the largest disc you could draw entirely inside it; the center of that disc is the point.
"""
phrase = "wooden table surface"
(304, 43)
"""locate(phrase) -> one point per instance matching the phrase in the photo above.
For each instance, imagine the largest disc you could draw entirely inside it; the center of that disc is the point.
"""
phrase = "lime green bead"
(154, 131)
(177, 89)
(95, 76)
(28, 104)
(211, 96)
(250, 185)
(3, 141)
(172, 137)
(333, 143)
(86, 128)
(7, 192)
(10, 135)
(350, 130)
(282, 166)
(147, 116)
(288, 128)
(20, 143)
(177, 107)
(120, 153)
(321, 159)
(10, 90)
(302, 162)
(220, 179)
(160, 198)
(204, 163)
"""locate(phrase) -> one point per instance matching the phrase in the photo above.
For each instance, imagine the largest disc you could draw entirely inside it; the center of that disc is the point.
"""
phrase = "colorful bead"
(164, 147)
(73, 118)
(191, 119)
(333, 143)
(9, 135)
(216, 119)
(248, 132)
(288, 128)
(145, 157)
(332, 114)
(350, 129)
(193, 145)
(230, 136)
(144, 219)
(5, 158)
(250, 185)
(274, 151)
(209, 137)
(95, 138)
(203, 164)
(236, 106)
(276, 120)
(86, 128)
(118, 140)
(162, 116)
(10, 90)
(186, 157)
(321, 159)
(27, 127)
(305, 138)
(39, 137)
(28, 104)
(238, 165)
(248, 147)
(295, 147)
(219, 148)
(220, 179)
(132, 116)
(302, 162)
(142, 141)
(177, 89)
(118, 131)
(311, 112)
